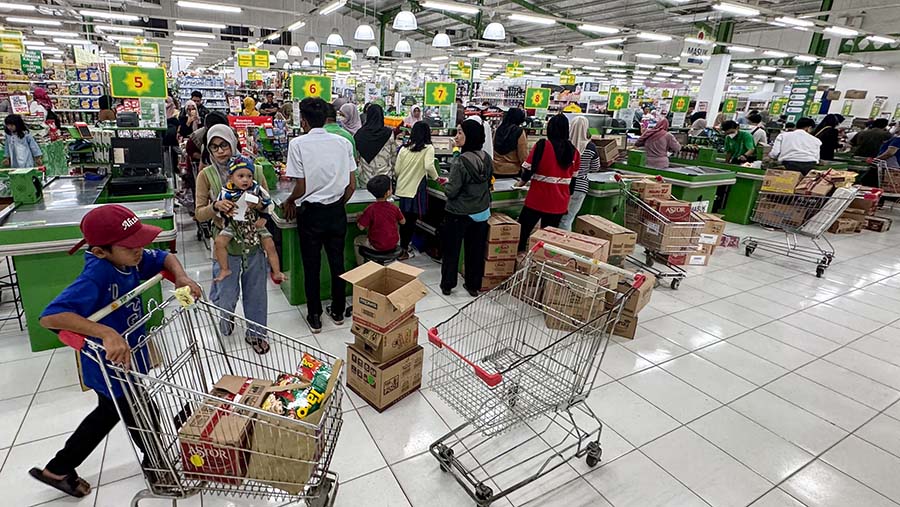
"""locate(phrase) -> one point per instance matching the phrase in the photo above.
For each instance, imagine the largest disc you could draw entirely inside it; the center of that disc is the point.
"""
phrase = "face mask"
(732, 135)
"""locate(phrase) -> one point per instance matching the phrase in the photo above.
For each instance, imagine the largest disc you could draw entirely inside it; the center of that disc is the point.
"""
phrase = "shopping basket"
(238, 449)
(888, 179)
(799, 216)
(525, 355)
(660, 236)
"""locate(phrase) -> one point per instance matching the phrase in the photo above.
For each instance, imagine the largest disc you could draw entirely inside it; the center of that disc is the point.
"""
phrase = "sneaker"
(338, 318)
(315, 323)
(446, 292)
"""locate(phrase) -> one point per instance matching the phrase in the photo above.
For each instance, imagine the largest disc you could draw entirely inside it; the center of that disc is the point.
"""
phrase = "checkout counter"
(741, 197)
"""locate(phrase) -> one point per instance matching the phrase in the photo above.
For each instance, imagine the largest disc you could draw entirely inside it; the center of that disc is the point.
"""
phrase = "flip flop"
(68, 485)
(259, 345)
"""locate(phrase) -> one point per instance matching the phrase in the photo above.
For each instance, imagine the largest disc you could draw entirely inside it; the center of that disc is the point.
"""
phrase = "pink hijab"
(660, 130)
(43, 98)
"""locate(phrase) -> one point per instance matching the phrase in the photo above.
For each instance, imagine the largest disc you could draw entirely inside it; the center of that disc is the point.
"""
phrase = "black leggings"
(458, 232)
(529, 218)
(407, 229)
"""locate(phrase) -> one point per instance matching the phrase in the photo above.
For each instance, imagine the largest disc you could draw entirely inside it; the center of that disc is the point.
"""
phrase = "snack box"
(672, 209)
(780, 181)
(503, 228)
(649, 189)
(621, 240)
(592, 248)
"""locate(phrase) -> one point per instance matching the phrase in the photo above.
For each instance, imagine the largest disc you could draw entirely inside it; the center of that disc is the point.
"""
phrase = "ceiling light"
(641, 73)
(334, 38)
(311, 46)
(439, 58)
(179, 42)
(740, 49)
(617, 71)
(34, 43)
(582, 60)
(528, 18)
(740, 74)
(875, 67)
(333, 6)
(694, 40)
(286, 66)
(71, 42)
(296, 25)
(616, 63)
(831, 62)
(350, 54)
(563, 65)
(273, 36)
(295, 52)
(56, 33)
(854, 65)
(737, 10)
(829, 75)
(788, 71)
(761, 76)
(441, 40)
(775, 54)
(598, 29)
(402, 46)
(317, 61)
(33, 21)
(806, 58)
(879, 38)
(494, 31)
(121, 37)
(664, 74)
(364, 32)
(645, 66)
(685, 76)
(843, 32)
(603, 42)
(281, 54)
(405, 21)
(450, 7)
(54, 60)
(528, 50)
(530, 62)
(196, 35)
(544, 56)
(117, 28)
(741, 65)
(272, 59)
(373, 52)
(200, 24)
(209, 7)
(648, 56)
(654, 36)
(787, 20)
(766, 68)
(108, 15)
(697, 71)
(305, 63)
(777, 78)
(16, 7)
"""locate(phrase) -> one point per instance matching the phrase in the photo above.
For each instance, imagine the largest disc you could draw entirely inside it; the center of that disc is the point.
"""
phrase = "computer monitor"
(128, 153)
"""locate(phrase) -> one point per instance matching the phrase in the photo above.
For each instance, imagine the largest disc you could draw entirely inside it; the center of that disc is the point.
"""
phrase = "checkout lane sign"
(618, 101)
(537, 98)
(132, 82)
(304, 87)
(440, 94)
(681, 103)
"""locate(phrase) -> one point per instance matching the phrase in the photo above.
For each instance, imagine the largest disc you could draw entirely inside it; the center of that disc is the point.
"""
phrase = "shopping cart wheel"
(675, 283)
(594, 453)
(445, 457)
(749, 249)
(321, 495)
(483, 495)
(820, 270)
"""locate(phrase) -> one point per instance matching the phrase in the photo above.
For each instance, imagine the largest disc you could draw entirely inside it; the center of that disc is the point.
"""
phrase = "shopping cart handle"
(537, 246)
(659, 178)
(618, 178)
(491, 379)
(639, 280)
(72, 339)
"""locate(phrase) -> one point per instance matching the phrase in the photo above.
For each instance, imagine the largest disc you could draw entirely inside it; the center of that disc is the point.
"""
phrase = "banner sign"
(127, 81)
(440, 94)
(310, 86)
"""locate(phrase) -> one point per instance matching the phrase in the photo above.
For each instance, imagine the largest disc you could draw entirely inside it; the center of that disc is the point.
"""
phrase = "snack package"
(303, 394)
(308, 367)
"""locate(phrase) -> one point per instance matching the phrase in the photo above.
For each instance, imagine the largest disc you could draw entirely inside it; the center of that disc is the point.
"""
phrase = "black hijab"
(506, 139)
(474, 133)
(558, 135)
(370, 138)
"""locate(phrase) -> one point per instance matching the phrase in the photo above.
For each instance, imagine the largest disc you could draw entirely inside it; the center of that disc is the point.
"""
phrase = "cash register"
(137, 167)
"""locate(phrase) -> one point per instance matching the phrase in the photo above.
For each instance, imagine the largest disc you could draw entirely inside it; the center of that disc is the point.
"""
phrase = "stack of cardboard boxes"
(621, 240)
(626, 327)
(500, 254)
(861, 215)
(658, 235)
(711, 234)
(384, 363)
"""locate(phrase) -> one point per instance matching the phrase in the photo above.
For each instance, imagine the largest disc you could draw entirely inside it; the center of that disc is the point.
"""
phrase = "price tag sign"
(537, 98)
(730, 106)
(566, 77)
(459, 70)
(514, 69)
(11, 41)
(303, 87)
(440, 94)
(252, 58)
(139, 52)
(681, 103)
(127, 81)
(618, 100)
(776, 107)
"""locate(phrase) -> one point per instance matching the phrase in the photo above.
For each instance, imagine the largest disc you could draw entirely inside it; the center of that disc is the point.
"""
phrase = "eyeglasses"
(219, 147)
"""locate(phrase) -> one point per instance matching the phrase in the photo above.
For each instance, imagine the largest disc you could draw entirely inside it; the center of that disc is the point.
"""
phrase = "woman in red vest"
(550, 167)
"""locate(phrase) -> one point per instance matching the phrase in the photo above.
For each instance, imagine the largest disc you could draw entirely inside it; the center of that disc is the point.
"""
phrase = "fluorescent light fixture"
(333, 6)
(760, 76)
(17, 7)
(740, 74)
(664, 74)
(788, 71)
(544, 56)
(120, 37)
(766, 68)
(582, 60)
(737, 10)
(831, 62)
(604, 42)
(56, 33)
(829, 75)
(197, 35)
(879, 38)
(296, 25)
(54, 60)
(528, 18)
(528, 50)
(787, 20)
(775, 54)
(641, 73)
(199, 24)
(843, 32)
(740, 49)
(617, 71)
(272, 36)
(439, 58)
(450, 7)
(108, 15)
(806, 58)
(685, 76)
(117, 28)
(645, 66)
(654, 36)
(854, 65)
(34, 43)
(696, 71)
(71, 42)
(478, 54)
(875, 67)
(209, 7)
(604, 51)
(179, 42)
(694, 40)
(187, 50)
(741, 65)
(615, 63)
(563, 65)
(33, 21)
(777, 78)
(530, 62)
(648, 56)
(598, 29)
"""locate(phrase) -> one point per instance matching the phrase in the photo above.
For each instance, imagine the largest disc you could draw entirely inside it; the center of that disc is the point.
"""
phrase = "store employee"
(797, 150)
(740, 146)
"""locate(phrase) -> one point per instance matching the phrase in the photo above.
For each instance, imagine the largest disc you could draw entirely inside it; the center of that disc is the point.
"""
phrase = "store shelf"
(77, 96)
(77, 110)
(201, 87)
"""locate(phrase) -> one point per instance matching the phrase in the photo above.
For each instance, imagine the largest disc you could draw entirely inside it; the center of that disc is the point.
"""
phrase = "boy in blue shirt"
(115, 263)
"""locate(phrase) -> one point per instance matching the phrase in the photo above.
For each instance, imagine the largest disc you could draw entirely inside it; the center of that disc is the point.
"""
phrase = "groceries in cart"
(621, 239)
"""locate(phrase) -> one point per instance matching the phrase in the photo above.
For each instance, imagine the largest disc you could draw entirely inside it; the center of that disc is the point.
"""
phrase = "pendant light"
(282, 54)
(311, 46)
(286, 66)
(295, 65)
(441, 40)
(373, 52)
(405, 21)
(494, 31)
(364, 32)
(317, 62)
(402, 46)
(272, 59)
(351, 55)
(335, 39)
(295, 51)
(304, 63)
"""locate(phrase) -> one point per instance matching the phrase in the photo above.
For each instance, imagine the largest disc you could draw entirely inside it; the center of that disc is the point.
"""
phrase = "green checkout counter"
(39, 234)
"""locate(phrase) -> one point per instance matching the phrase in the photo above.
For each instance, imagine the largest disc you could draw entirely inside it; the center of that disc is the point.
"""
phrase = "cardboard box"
(713, 224)
(627, 326)
(621, 240)
(491, 282)
(649, 189)
(843, 226)
(868, 206)
(384, 384)
(780, 181)
(384, 346)
(672, 209)
(384, 296)
(592, 248)
(608, 149)
(214, 438)
(639, 299)
(496, 250)
(503, 228)
(500, 267)
(669, 237)
(778, 215)
(878, 224)
(576, 299)
(815, 183)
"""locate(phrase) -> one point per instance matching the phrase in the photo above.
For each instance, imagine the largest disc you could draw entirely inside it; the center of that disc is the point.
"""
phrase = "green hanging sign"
(303, 87)
(440, 94)
(131, 82)
(848, 106)
(729, 106)
(32, 62)
(681, 104)
(618, 100)
(514, 69)
(537, 98)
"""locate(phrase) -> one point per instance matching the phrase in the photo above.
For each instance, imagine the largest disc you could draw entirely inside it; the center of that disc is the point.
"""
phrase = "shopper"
(488, 136)
(249, 267)
(720, 119)
(797, 150)
(415, 116)
(197, 99)
(590, 162)
(460, 111)
(269, 107)
(287, 111)
(827, 132)
(171, 106)
(415, 163)
(740, 146)
(657, 143)
(380, 221)
(107, 113)
(189, 121)
(42, 107)
(115, 263)
(868, 142)
(758, 129)
(20, 149)
(698, 124)
(377, 146)
(550, 167)
(468, 208)
(322, 167)
(510, 144)
(249, 107)
(890, 152)
(349, 118)
(332, 127)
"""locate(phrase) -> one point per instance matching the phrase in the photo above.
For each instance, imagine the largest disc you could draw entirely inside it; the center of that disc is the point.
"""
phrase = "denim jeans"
(575, 202)
(248, 280)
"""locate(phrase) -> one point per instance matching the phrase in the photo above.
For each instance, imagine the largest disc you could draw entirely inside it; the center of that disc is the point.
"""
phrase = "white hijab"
(578, 133)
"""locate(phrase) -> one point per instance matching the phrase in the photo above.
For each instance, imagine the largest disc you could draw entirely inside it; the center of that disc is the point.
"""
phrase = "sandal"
(68, 485)
(259, 345)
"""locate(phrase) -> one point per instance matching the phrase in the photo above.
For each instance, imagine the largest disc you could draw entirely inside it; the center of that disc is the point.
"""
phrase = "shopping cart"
(255, 453)
(888, 180)
(525, 355)
(660, 237)
(799, 216)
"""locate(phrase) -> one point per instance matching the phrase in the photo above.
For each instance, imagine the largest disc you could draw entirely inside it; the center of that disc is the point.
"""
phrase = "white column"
(712, 86)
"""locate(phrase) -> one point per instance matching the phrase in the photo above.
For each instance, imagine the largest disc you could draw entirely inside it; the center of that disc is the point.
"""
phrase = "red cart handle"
(491, 379)
(76, 340)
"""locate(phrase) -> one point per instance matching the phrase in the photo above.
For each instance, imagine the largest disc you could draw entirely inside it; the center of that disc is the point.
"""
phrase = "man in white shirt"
(322, 166)
(758, 129)
(797, 150)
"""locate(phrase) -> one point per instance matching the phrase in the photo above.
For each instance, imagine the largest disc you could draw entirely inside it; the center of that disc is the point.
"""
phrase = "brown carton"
(384, 296)
(592, 248)
(780, 181)
(499, 267)
(878, 224)
(843, 226)
(868, 206)
(815, 183)
(621, 240)
(501, 250)
(384, 384)
(575, 299)
(492, 282)
(778, 215)
(503, 228)
(608, 149)
(662, 237)
(384, 346)
(639, 299)
(672, 209)
(649, 189)
(627, 325)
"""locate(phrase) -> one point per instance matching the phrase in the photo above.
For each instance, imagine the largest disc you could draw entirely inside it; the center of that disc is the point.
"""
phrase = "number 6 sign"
(303, 87)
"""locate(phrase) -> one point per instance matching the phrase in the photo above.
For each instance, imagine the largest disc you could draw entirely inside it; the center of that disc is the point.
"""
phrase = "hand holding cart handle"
(491, 379)
(76, 341)
(637, 279)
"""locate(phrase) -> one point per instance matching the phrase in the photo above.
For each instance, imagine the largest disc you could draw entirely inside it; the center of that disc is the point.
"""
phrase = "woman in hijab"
(171, 106)
(249, 107)
(415, 115)
(42, 106)
(698, 123)
(657, 143)
(510, 144)
(550, 167)
(107, 113)
(350, 116)
(189, 120)
(827, 132)
(249, 267)
(590, 162)
(488, 136)
(468, 191)
(376, 146)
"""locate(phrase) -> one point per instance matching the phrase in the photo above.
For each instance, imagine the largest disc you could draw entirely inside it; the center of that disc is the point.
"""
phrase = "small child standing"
(21, 150)
(380, 220)
(250, 231)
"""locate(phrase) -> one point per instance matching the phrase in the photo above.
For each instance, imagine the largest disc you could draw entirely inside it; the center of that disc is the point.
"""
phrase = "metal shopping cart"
(660, 236)
(799, 216)
(888, 180)
(525, 355)
(238, 449)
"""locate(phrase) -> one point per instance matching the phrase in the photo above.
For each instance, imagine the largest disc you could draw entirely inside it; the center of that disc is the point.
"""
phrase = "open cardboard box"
(384, 296)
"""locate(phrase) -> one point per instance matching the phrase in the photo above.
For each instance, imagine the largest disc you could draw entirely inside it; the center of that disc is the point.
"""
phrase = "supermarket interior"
(538, 253)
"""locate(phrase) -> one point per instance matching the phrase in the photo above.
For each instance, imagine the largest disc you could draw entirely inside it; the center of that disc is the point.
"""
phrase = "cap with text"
(115, 225)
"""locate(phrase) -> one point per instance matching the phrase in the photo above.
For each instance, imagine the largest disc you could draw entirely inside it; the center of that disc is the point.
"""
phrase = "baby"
(240, 237)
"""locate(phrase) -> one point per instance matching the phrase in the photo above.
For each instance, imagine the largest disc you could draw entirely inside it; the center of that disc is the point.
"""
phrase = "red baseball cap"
(112, 224)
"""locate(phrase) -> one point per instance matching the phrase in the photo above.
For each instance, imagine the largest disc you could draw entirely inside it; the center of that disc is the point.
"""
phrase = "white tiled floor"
(755, 384)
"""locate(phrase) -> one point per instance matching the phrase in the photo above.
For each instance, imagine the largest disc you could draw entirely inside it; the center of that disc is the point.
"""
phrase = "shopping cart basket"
(888, 179)
(240, 449)
(660, 237)
(525, 355)
(799, 216)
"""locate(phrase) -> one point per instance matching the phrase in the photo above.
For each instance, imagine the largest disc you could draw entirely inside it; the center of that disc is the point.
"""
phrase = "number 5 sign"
(303, 87)
(132, 82)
